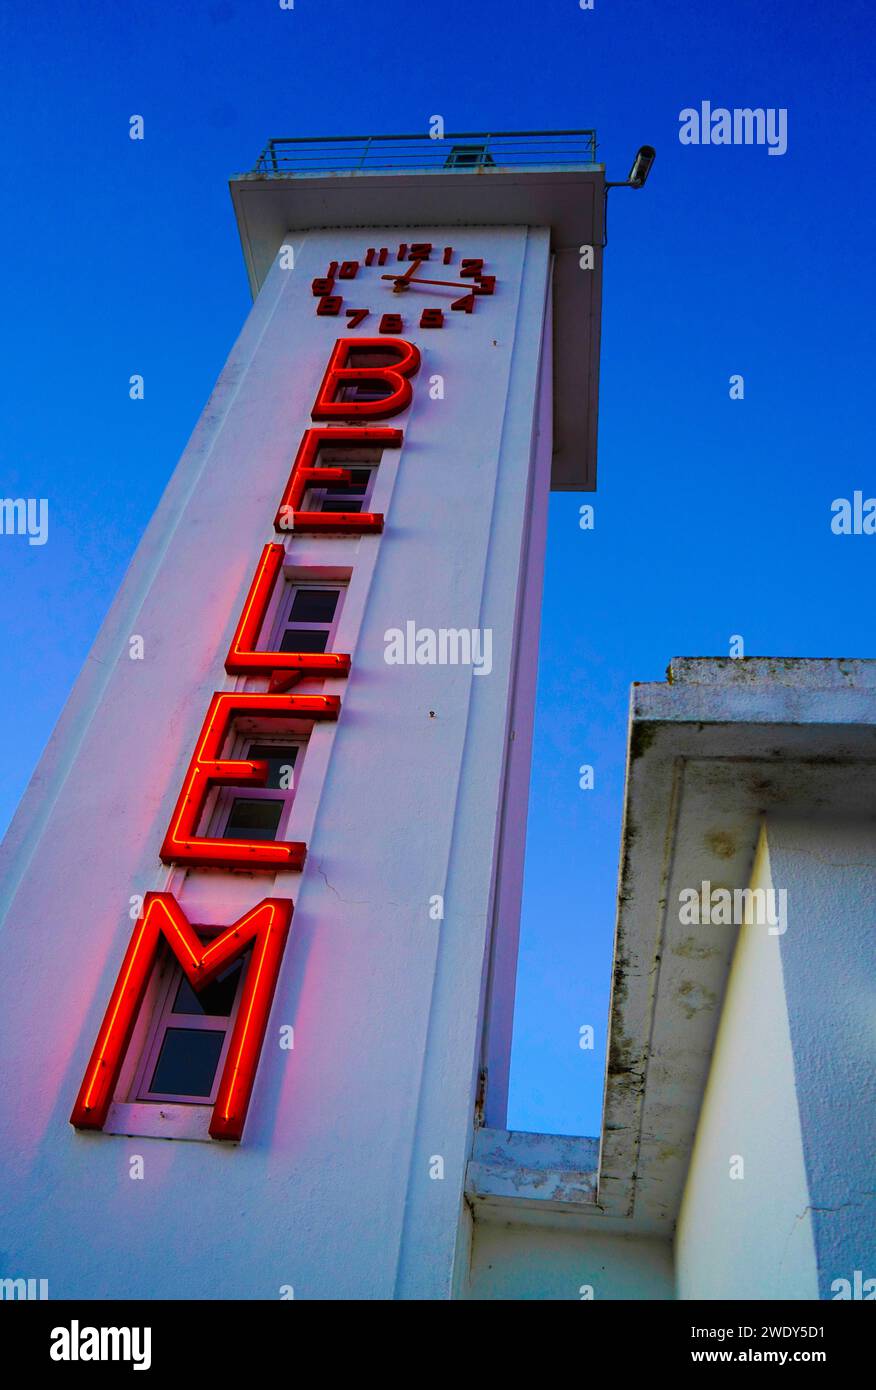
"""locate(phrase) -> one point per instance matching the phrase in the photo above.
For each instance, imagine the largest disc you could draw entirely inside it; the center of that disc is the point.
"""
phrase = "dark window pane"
(298, 639)
(346, 458)
(341, 504)
(365, 390)
(314, 606)
(359, 479)
(277, 756)
(187, 1062)
(346, 490)
(216, 1000)
(253, 819)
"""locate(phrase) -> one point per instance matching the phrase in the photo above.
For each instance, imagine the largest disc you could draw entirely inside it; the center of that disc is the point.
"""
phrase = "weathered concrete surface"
(722, 747)
(547, 1169)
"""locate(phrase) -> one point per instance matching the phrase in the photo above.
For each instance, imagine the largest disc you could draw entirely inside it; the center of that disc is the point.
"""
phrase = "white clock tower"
(262, 895)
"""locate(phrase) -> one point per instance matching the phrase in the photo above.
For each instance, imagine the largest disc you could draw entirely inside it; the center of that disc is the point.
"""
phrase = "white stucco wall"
(828, 867)
(521, 1262)
(749, 1237)
(330, 1191)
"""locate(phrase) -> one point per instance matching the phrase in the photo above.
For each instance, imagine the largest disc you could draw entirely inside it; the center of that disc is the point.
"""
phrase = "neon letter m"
(265, 928)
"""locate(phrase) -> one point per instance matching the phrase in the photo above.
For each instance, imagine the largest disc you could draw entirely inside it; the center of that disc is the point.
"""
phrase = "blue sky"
(712, 515)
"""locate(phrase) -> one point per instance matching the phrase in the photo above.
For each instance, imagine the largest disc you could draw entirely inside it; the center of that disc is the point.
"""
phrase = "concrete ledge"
(819, 693)
(801, 672)
(515, 1170)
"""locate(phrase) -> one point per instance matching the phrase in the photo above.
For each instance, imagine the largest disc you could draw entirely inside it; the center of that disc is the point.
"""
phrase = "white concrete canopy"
(715, 752)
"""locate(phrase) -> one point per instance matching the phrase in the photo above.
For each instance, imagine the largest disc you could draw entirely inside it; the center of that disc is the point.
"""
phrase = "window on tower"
(353, 496)
(368, 390)
(185, 1049)
(313, 613)
(260, 813)
(343, 497)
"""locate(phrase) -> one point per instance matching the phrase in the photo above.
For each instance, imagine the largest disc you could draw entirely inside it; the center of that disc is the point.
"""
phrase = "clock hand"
(470, 285)
(401, 281)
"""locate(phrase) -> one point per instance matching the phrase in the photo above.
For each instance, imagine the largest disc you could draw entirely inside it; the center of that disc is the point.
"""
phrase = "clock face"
(412, 285)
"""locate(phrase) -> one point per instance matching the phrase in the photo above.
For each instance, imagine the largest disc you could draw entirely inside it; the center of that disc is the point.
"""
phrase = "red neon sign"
(338, 375)
(244, 660)
(265, 928)
(305, 474)
(182, 844)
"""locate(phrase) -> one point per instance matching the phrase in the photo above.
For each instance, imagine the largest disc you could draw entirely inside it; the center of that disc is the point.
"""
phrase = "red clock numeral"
(403, 251)
(329, 305)
(432, 318)
(382, 255)
(332, 270)
(355, 317)
(348, 270)
(470, 267)
(324, 285)
(420, 251)
(391, 323)
(466, 304)
(448, 255)
(369, 255)
(486, 284)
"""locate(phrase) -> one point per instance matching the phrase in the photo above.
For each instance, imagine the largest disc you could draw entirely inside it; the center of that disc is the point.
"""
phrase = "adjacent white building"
(736, 1157)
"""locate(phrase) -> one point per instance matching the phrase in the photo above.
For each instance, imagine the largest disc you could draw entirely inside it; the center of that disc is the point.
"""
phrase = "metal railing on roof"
(468, 150)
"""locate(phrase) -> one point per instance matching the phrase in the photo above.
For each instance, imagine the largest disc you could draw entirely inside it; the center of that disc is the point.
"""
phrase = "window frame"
(278, 629)
(375, 388)
(314, 497)
(217, 815)
(163, 1018)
